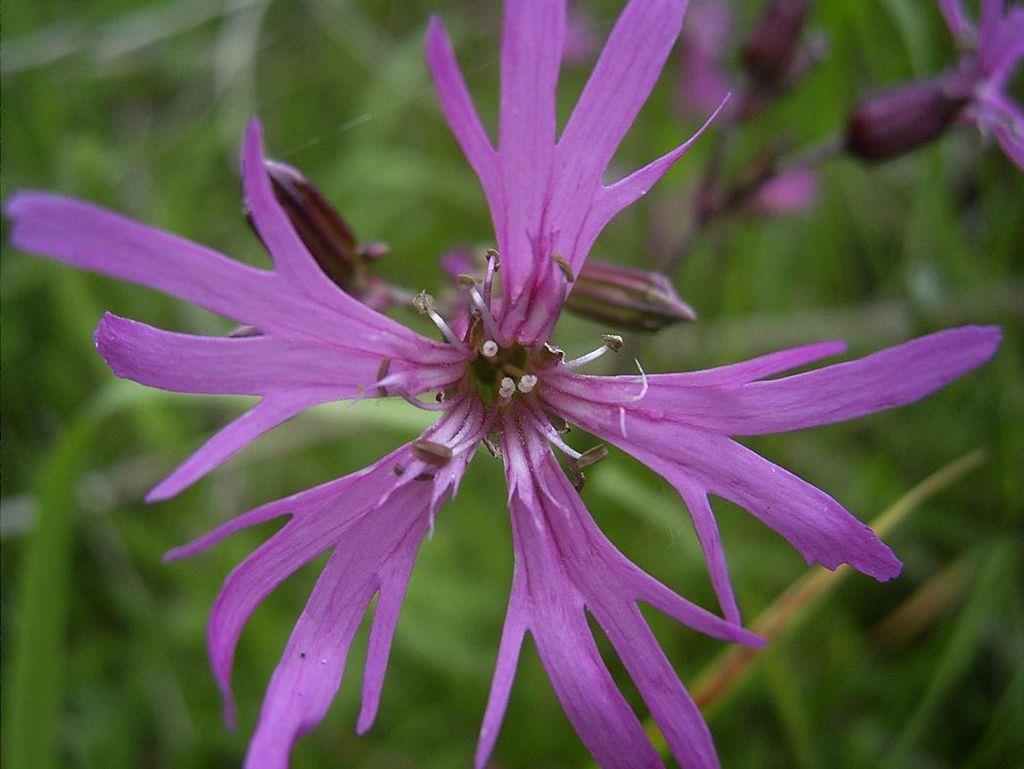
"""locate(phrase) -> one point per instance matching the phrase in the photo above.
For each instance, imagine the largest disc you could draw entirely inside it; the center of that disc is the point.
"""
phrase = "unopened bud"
(772, 44)
(328, 237)
(903, 119)
(625, 297)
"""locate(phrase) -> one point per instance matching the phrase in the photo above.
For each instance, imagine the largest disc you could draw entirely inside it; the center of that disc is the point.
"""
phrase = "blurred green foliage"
(141, 108)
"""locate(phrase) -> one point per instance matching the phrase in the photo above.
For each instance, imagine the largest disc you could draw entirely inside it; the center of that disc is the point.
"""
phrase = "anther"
(507, 388)
(489, 348)
(381, 373)
(564, 266)
(613, 342)
(592, 456)
(432, 453)
(424, 304)
(493, 263)
(527, 382)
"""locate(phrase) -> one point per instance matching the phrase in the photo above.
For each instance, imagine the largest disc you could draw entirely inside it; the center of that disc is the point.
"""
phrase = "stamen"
(485, 313)
(423, 406)
(592, 456)
(382, 372)
(527, 382)
(507, 388)
(425, 305)
(611, 342)
(493, 264)
(643, 382)
(564, 266)
(432, 453)
(545, 427)
(489, 348)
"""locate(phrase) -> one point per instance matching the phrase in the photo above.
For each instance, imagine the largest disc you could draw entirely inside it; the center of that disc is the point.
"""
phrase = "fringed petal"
(564, 568)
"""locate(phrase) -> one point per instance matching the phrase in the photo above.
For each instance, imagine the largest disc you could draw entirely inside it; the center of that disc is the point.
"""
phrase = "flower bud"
(903, 119)
(328, 237)
(626, 297)
(771, 47)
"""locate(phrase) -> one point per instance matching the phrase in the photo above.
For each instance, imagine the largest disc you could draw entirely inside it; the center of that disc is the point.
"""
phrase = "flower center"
(502, 372)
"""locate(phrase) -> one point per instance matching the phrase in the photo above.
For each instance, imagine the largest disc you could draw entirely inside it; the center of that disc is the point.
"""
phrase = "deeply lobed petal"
(679, 425)
(373, 522)
(564, 568)
(548, 201)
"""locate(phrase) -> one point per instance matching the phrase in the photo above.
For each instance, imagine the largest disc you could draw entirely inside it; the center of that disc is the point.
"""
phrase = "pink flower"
(497, 377)
(992, 50)
(785, 193)
(704, 79)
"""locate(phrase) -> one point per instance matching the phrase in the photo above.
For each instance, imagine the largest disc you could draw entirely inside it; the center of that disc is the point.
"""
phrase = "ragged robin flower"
(497, 381)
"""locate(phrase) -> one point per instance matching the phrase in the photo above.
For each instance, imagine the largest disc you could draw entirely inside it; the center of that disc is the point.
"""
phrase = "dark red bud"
(327, 236)
(901, 120)
(772, 44)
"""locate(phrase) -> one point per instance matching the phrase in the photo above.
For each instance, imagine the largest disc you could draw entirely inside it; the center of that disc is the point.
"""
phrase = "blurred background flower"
(139, 107)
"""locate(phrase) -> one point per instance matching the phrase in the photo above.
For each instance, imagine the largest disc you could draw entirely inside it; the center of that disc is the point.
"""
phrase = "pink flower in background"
(580, 40)
(992, 50)
(497, 381)
(704, 78)
(785, 193)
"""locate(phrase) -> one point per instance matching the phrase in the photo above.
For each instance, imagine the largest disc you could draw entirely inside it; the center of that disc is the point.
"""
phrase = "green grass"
(142, 110)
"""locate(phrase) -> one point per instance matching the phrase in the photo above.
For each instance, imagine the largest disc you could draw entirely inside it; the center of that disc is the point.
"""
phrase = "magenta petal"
(311, 668)
(531, 53)
(622, 79)
(876, 382)
(97, 240)
(956, 20)
(374, 521)
(598, 711)
(504, 674)
(235, 436)
(671, 706)
(706, 526)
(258, 365)
(565, 567)
(814, 523)
(611, 200)
(393, 578)
(457, 105)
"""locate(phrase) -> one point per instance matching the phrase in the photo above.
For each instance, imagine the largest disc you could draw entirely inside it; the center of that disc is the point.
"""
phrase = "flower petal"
(956, 19)
(258, 365)
(533, 34)
(626, 71)
(564, 566)
(235, 436)
(311, 668)
(814, 523)
(504, 674)
(457, 105)
(97, 240)
(374, 520)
